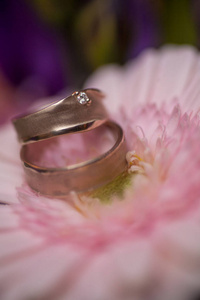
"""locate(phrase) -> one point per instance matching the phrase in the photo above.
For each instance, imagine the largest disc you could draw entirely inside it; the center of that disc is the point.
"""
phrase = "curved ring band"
(80, 177)
(79, 112)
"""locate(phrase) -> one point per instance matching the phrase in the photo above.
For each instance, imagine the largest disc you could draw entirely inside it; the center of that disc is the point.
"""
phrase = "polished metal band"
(80, 177)
(81, 111)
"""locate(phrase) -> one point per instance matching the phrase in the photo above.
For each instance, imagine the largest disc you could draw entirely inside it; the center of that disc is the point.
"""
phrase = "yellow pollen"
(138, 157)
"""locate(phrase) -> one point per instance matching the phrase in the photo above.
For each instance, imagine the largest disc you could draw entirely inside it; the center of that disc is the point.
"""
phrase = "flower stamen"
(134, 162)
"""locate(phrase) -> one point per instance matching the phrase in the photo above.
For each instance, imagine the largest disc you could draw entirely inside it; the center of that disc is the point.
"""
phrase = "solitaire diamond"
(83, 98)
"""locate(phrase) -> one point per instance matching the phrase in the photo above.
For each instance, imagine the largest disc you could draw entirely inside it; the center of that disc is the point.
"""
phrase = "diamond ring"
(82, 111)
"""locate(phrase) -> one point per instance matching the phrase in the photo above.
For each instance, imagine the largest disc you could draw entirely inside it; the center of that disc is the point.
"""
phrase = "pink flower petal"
(144, 246)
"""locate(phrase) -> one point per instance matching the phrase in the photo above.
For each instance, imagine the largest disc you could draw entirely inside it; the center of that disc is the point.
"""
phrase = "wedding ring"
(79, 112)
(81, 177)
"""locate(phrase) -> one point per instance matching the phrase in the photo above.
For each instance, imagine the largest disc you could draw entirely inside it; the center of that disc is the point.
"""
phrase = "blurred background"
(47, 46)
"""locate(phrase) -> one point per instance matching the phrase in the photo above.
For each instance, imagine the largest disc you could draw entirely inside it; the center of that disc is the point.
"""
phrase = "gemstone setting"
(82, 98)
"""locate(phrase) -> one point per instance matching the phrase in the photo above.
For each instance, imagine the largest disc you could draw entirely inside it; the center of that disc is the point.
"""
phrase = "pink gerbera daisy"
(143, 244)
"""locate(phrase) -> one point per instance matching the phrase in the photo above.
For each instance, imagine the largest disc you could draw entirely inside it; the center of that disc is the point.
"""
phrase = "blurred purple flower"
(142, 23)
(30, 54)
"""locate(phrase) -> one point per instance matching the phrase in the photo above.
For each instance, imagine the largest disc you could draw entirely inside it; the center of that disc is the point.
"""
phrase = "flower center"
(134, 162)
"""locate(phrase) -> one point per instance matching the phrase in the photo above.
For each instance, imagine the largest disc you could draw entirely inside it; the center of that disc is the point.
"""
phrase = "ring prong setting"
(82, 98)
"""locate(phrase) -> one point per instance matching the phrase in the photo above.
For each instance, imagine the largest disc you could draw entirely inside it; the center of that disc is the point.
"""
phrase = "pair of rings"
(80, 112)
